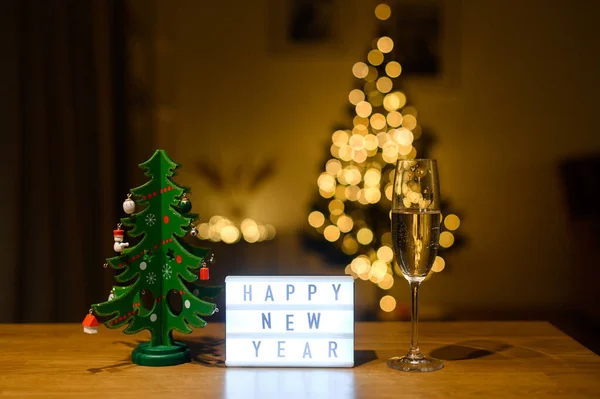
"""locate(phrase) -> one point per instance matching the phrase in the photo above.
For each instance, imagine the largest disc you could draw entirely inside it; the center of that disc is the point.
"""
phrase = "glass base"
(415, 364)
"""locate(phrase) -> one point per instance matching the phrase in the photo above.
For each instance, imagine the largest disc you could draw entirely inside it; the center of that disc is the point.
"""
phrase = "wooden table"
(482, 359)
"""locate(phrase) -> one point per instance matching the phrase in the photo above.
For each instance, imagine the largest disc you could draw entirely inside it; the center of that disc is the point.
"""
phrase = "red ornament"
(204, 273)
(178, 259)
(166, 219)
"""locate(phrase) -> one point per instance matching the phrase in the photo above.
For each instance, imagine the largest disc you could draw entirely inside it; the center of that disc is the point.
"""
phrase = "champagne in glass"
(415, 233)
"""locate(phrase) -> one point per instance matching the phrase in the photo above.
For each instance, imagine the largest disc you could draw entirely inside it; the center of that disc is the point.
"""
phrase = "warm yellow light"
(372, 177)
(385, 253)
(379, 269)
(270, 231)
(349, 245)
(384, 84)
(360, 121)
(326, 182)
(385, 44)
(352, 175)
(446, 239)
(409, 122)
(370, 78)
(410, 111)
(361, 130)
(393, 69)
(383, 11)
(389, 189)
(405, 150)
(452, 222)
(386, 238)
(356, 96)
(203, 231)
(333, 167)
(360, 156)
(316, 219)
(331, 233)
(363, 109)
(352, 193)
(334, 150)
(387, 303)
(364, 236)
(360, 70)
(375, 57)
(339, 138)
(336, 207)
(394, 119)
(401, 100)
(370, 142)
(250, 230)
(360, 265)
(361, 197)
(357, 142)
(372, 195)
(230, 234)
(404, 137)
(438, 264)
(391, 102)
(378, 121)
(340, 192)
(326, 194)
(213, 220)
(345, 223)
(346, 152)
(387, 282)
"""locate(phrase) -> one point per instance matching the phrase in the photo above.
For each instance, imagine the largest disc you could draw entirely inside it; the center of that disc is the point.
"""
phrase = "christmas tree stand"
(146, 355)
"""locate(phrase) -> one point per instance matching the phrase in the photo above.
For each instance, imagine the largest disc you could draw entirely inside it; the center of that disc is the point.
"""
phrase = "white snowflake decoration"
(150, 219)
(151, 278)
(166, 270)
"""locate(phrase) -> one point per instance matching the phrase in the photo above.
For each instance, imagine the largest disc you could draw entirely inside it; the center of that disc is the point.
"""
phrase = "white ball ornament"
(129, 205)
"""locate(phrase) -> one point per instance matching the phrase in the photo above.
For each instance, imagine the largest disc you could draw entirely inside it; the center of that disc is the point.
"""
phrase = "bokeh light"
(364, 236)
(383, 11)
(345, 223)
(336, 207)
(360, 70)
(387, 303)
(384, 84)
(452, 222)
(446, 239)
(385, 44)
(387, 282)
(385, 254)
(356, 96)
(316, 219)
(393, 69)
(438, 264)
(364, 109)
(375, 57)
(331, 233)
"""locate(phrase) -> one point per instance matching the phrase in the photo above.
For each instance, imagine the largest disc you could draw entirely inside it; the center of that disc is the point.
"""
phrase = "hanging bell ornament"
(194, 231)
(185, 205)
(204, 273)
(129, 205)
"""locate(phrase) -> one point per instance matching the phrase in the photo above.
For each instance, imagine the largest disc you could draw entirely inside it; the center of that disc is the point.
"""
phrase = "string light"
(378, 121)
(387, 282)
(391, 102)
(333, 167)
(446, 239)
(364, 236)
(387, 303)
(363, 109)
(356, 96)
(360, 70)
(375, 57)
(383, 11)
(230, 234)
(409, 121)
(385, 254)
(345, 223)
(339, 138)
(394, 118)
(336, 207)
(452, 222)
(326, 182)
(385, 44)
(357, 142)
(438, 264)
(384, 84)
(316, 219)
(331, 233)
(393, 69)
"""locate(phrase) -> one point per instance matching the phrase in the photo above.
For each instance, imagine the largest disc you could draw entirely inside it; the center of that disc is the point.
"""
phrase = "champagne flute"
(415, 233)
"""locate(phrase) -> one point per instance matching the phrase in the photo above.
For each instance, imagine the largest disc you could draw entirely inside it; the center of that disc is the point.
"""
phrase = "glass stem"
(414, 352)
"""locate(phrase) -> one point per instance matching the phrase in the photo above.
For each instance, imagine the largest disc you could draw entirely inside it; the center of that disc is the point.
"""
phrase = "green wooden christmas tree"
(156, 297)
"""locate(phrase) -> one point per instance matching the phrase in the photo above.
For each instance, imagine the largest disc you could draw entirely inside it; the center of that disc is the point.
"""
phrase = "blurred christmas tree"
(351, 215)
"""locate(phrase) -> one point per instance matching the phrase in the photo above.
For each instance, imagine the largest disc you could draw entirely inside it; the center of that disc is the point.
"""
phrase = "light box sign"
(291, 321)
